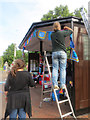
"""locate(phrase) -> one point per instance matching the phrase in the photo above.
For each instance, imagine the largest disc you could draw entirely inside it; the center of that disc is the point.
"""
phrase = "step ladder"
(64, 101)
(48, 90)
(54, 90)
(85, 20)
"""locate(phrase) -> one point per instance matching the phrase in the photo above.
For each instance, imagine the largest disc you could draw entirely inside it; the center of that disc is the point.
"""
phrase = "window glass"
(86, 47)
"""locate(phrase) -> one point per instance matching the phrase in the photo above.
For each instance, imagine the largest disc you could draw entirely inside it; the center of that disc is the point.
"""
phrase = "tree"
(48, 16)
(62, 11)
(59, 12)
(8, 55)
(18, 54)
(77, 12)
(26, 58)
(1, 61)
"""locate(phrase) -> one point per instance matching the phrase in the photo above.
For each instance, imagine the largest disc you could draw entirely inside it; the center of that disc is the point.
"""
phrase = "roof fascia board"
(46, 23)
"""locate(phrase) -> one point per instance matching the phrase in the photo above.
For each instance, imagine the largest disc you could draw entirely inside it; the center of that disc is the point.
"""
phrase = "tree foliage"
(8, 55)
(61, 12)
(77, 12)
(1, 61)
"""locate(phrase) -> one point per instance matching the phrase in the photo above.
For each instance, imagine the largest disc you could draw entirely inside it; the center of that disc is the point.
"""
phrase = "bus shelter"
(37, 40)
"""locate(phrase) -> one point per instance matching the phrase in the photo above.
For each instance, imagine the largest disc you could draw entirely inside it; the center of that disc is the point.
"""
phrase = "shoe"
(56, 87)
(61, 91)
(62, 86)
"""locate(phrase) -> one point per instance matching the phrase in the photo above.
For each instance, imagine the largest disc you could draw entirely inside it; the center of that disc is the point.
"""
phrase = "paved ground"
(48, 109)
(3, 76)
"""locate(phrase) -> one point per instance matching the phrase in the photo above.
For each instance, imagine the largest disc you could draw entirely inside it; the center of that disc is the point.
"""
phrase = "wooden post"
(28, 62)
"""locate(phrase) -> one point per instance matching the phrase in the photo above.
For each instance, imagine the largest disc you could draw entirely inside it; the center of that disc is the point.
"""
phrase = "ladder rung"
(50, 65)
(47, 83)
(56, 89)
(47, 91)
(48, 54)
(66, 114)
(62, 101)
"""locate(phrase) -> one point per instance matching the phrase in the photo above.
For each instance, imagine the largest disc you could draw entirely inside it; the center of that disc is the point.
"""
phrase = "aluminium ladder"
(84, 17)
(63, 101)
(45, 63)
(54, 90)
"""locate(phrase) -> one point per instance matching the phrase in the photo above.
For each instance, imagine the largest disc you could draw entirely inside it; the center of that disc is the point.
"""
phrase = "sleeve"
(31, 81)
(67, 33)
(7, 84)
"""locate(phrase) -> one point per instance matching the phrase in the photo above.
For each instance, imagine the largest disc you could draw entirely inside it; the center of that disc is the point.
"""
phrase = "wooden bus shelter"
(80, 71)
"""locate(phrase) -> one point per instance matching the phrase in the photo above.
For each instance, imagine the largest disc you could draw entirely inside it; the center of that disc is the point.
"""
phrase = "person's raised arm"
(67, 28)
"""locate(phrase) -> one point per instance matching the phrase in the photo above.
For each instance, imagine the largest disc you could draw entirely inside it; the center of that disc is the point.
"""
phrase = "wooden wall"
(82, 69)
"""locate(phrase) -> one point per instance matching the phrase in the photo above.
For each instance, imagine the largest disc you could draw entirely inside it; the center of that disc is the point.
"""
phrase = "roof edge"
(48, 22)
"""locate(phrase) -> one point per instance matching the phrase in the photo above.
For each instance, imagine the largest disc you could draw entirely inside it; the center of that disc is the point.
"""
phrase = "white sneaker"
(56, 87)
(62, 87)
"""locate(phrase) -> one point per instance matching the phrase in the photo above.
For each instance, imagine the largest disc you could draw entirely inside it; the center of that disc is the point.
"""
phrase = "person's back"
(20, 82)
(59, 56)
(58, 39)
(17, 90)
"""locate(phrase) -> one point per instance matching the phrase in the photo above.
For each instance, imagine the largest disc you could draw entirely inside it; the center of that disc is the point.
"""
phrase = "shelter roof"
(48, 23)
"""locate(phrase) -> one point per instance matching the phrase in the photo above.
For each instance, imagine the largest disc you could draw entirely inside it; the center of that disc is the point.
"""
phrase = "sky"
(16, 17)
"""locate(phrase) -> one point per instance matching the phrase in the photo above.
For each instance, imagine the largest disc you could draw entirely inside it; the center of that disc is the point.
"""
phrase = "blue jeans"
(21, 114)
(59, 60)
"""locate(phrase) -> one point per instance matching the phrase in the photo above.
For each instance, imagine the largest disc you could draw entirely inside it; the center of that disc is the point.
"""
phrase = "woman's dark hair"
(19, 64)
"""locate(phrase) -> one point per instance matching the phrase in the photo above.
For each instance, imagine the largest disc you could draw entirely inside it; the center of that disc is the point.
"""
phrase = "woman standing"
(17, 90)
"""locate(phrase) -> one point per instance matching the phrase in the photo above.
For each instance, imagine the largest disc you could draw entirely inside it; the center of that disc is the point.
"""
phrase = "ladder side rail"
(58, 103)
(84, 17)
(83, 14)
(70, 102)
(45, 61)
(85, 20)
(43, 75)
(49, 71)
(48, 68)
(42, 82)
(48, 64)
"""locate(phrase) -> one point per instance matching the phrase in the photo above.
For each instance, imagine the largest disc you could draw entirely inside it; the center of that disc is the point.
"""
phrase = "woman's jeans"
(21, 114)
(59, 60)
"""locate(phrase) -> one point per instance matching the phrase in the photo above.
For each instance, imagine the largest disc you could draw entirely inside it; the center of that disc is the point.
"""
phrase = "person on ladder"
(59, 55)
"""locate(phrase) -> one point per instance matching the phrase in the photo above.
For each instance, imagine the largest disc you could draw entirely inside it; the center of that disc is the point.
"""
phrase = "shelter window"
(86, 49)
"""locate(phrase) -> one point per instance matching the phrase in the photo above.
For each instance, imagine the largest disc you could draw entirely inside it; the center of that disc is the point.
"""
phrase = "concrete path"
(3, 76)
